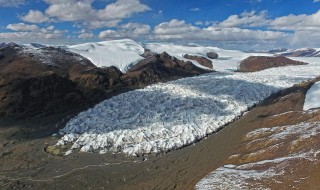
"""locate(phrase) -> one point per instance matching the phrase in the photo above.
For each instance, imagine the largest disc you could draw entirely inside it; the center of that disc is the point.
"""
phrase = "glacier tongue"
(168, 116)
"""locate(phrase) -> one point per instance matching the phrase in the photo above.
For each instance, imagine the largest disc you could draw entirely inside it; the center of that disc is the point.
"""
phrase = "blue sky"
(238, 24)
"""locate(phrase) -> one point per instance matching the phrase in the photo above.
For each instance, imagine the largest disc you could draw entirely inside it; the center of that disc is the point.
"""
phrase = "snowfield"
(119, 53)
(313, 97)
(125, 53)
(232, 56)
(168, 116)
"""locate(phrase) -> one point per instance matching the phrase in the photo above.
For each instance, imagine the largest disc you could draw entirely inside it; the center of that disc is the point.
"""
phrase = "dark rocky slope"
(50, 80)
(258, 63)
(160, 67)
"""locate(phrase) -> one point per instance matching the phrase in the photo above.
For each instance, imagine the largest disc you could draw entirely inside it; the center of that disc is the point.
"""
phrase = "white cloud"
(174, 27)
(25, 32)
(35, 16)
(136, 29)
(30, 35)
(83, 12)
(284, 23)
(11, 3)
(198, 23)
(85, 35)
(50, 27)
(248, 19)
(109, 34)
(69, 10)
(22, 27)
(122, 9)
(196, 9)
(129, 30)
(101, 24)
(316, 1)
(305, 39)
(177, 29)
(301, 22)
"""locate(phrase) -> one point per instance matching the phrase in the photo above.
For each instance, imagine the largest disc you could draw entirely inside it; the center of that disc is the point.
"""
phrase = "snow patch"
(119, 53)
(313, 97)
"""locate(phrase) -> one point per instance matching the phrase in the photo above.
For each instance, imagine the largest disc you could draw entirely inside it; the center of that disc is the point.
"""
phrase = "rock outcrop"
(201, 60)
(160, 67)
(212, 55)
(258, 63)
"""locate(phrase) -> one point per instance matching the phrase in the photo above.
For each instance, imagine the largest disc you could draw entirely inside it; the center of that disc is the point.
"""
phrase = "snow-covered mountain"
(303, 52)
(118, 53)
(125, 53)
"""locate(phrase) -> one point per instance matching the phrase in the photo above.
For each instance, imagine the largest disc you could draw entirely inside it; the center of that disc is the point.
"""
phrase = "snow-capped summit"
(119, 53)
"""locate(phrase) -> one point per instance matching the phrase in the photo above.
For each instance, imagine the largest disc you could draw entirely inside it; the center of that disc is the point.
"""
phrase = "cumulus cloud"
(22, 31)
(248, 19)
(284, 23)
(85, 35)
(109, 34)
(174, 27)
(22, 27)
(135, 29)
(122, 9)
(179, 29)
(301, 22)
(101, 24)
(129, 30)
(82, 11)
(11, 3)
(35, 16)
(29, 35)
(69, 10)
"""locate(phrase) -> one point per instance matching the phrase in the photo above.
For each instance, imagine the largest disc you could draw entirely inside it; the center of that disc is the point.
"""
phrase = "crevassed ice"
(168, 116)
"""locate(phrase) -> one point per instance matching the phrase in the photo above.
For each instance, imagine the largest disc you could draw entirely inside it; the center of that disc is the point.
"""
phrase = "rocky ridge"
(48, 79)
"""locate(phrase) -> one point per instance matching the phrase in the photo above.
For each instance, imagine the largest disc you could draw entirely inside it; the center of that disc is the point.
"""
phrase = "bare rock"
(160, 67)
(201, 60)
(258, 63)
(212, 55)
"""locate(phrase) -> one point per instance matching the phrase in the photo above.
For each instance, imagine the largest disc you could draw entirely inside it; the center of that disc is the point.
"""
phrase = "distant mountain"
(277, 50)
(125, 53)
(303, 52)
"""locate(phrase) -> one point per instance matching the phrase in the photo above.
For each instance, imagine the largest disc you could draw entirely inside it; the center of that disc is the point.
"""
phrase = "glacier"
(168, 116)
